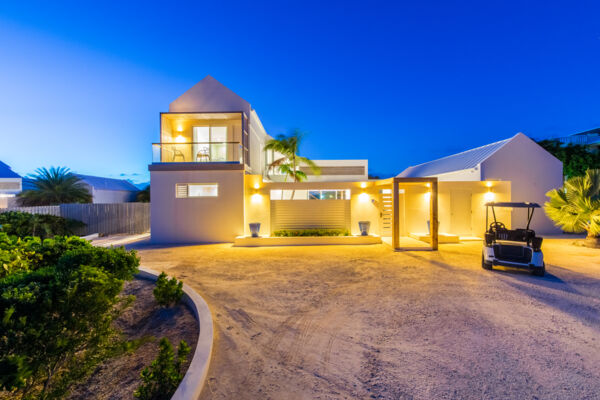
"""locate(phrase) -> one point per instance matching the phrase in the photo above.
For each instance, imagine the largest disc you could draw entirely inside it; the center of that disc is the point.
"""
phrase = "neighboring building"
(10, 185)
(589, 139)
(103, 190)
(209, 181)
(528, 167)
(109, 190)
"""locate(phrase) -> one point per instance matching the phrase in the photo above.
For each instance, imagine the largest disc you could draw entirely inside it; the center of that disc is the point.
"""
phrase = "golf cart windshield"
(498, 231)
(529, 206)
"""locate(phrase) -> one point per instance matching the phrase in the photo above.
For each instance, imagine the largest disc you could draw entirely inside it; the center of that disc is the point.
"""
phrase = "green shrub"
(161, 378)
(117, 261)
(53, 322)
(168, 291)
(312, 232)
(23, 224)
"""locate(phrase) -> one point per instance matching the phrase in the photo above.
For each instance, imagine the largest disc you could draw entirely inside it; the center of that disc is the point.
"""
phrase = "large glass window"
(335, 194)
(210, 143)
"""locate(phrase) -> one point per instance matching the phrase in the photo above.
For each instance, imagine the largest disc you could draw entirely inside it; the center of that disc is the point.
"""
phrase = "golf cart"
(519, 248)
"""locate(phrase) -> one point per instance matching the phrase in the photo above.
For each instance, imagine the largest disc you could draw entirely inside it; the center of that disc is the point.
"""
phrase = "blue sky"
(399, 83)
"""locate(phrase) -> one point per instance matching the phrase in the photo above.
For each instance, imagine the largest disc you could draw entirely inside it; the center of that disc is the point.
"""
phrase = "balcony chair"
(202, 156)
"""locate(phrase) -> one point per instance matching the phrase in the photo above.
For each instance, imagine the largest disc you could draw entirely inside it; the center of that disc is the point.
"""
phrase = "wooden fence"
(99, 218)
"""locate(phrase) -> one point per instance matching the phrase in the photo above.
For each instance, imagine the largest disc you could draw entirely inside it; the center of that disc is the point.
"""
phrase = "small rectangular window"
(185, 190)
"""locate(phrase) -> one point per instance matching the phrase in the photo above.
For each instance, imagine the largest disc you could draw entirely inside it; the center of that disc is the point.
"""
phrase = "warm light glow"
(489, 196)
(256, 186)
(427, 196)
(363, 197)
(428, 184)
(179, 128)
(363, 185)
(256, 198)
(488, 184)
(180, 139)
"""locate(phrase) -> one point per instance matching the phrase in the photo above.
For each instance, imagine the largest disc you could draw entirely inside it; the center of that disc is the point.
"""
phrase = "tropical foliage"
(576, 159)
(25, 224)
(576, 206)
(143, 196)
(288, 164)
(312, 232)
(57, 185)
(161, 378)
(58, 299)
(168, 291)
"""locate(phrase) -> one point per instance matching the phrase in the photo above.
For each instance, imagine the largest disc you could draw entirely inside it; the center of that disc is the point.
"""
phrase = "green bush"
(23, 224)
(168, 291)
(58, 299)
(161, 378)
(312, 232)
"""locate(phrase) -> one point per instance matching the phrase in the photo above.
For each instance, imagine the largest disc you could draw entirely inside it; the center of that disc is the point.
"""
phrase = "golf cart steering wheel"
(497, 226)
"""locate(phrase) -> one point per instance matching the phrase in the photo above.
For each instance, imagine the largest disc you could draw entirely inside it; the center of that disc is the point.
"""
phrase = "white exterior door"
(460, 213)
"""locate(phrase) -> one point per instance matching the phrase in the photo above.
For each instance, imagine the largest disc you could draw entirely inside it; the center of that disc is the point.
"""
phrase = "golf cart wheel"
(541, 271)
(484, 264)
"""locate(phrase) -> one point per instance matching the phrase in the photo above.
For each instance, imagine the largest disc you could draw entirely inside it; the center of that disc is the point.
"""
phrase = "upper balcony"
(202, 138)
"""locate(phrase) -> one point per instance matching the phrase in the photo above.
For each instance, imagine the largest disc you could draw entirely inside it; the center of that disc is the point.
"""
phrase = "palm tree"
(576, 206)
(288, 146)
(58, 185)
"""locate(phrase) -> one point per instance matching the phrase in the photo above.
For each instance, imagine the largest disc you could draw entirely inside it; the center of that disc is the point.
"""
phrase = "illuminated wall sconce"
(489, 196)
(363, 197)
(428, 184)
(257, 186)
(363, 185)
(180, 139)
(488, 184)
(256, 198)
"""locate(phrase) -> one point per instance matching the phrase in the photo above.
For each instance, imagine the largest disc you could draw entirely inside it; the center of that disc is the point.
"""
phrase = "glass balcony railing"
(231, 152)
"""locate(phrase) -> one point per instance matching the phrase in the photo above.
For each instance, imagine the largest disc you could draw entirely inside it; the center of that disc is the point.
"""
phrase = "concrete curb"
(193, 381)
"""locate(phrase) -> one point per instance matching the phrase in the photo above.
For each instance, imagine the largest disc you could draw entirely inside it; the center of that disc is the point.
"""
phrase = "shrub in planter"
(162, 377)
(311, 232)
(168, 291)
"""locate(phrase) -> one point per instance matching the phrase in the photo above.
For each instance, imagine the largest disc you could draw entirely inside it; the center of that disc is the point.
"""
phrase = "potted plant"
(254, 228)
(364, 227)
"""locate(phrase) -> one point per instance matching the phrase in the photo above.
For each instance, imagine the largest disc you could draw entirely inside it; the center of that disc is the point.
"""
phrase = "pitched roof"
(100, 183)
(455, 162)
(7, 172)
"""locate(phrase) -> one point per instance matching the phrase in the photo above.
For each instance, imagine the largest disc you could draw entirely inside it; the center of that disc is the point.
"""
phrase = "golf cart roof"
(513, 205)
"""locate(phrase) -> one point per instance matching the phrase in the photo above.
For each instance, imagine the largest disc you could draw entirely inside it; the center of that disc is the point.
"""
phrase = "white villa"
(209, 182)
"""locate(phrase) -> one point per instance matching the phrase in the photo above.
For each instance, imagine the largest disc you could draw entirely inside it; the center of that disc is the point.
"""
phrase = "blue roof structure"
(7, 172)
(101, 183)
(455, 162)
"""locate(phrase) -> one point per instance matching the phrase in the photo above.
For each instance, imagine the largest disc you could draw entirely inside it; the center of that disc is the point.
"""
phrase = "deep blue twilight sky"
(399, 83)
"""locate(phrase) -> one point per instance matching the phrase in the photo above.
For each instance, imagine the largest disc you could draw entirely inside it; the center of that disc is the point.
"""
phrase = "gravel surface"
(118, 378)
(336, 322)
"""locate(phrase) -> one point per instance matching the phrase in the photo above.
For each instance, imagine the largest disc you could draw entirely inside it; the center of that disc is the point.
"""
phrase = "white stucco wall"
(112, 196)
(532, 172)
(199, 219)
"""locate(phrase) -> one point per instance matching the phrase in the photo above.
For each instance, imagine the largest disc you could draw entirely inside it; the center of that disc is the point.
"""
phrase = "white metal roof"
(455, 162)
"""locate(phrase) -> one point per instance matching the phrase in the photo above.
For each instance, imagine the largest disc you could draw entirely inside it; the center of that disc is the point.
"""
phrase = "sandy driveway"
(364, 322)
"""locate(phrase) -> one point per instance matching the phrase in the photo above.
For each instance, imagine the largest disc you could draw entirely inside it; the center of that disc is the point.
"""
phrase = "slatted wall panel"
(303, 214)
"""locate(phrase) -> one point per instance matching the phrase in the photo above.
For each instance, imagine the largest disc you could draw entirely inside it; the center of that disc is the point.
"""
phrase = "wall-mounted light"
(257, 186)
(489, 196)
(427, 196)
(180, 139)
(363, 185)
(488, 184)
(363, 197)
(256, 198)
(179, 128)
(428, 184)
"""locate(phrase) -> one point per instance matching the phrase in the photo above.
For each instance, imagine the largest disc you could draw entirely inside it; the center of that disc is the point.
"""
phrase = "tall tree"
(576, 206)
(289, 163)
(57, 185)
(576, 159)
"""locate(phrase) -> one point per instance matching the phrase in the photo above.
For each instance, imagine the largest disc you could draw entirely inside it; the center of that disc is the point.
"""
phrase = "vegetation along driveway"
(363, 322)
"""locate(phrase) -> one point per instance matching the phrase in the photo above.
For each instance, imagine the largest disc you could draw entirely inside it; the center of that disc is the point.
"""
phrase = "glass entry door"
(209, 143)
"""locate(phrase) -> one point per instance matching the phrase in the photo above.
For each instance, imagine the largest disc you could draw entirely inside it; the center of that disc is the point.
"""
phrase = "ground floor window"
(185, 190)
(333, 194)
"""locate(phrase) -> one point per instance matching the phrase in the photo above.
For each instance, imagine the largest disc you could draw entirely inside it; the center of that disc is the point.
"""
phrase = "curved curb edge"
(193, 381)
